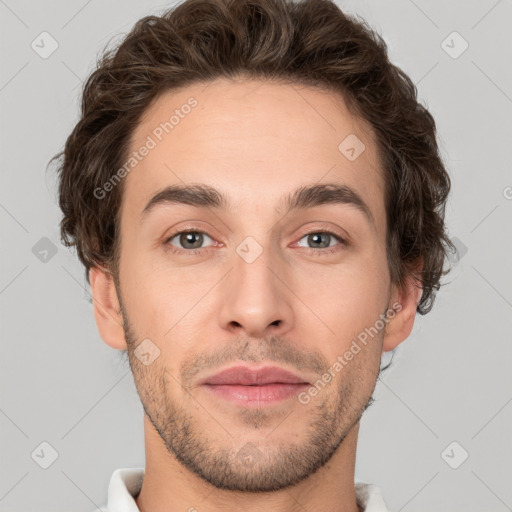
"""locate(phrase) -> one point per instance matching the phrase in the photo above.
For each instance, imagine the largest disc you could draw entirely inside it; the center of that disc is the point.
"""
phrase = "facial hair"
(252, 464)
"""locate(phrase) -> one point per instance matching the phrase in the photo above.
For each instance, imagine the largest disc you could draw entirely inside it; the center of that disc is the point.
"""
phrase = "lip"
(255, 396)
(251, 387)
(246, 376)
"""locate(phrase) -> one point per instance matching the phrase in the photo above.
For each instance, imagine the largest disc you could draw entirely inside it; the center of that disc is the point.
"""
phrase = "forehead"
(255, 140)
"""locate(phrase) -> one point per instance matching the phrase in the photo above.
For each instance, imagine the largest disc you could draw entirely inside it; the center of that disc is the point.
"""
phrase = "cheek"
(348, 300)
(147, 298)
(164, 305)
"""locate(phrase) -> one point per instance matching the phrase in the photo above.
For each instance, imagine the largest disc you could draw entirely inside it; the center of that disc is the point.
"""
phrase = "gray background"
(451, 380)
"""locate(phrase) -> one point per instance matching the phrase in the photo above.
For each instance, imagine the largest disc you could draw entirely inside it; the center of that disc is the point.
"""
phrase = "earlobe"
(399, 327)
(107, 310)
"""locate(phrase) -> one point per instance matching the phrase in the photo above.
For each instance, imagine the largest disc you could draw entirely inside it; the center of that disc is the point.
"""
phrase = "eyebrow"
(309, 196)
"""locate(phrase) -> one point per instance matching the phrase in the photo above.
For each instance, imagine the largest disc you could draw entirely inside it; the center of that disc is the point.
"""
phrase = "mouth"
(254, 395)
(242, 385)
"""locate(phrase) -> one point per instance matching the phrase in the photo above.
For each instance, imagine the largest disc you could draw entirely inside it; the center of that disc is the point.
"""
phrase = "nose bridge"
(255, 299)
(253, 262)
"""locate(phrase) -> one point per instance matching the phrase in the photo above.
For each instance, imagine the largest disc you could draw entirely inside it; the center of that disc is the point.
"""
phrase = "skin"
(254, 141)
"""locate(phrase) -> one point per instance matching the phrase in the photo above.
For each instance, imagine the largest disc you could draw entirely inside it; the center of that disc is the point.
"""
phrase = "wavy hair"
(311, 42)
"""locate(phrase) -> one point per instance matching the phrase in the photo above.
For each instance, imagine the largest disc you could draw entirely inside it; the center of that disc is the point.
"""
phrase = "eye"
(323, 240)
(189, 240)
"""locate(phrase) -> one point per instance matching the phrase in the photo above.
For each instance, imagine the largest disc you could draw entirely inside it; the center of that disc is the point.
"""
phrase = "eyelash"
(310, 250)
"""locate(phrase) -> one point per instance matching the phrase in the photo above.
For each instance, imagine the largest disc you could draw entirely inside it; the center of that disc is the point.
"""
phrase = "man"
(258, 200)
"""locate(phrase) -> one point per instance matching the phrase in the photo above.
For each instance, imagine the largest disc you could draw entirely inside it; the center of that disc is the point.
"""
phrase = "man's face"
(255, 284)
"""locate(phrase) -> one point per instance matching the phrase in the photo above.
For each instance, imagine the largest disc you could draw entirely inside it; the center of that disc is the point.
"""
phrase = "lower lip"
(256, 395)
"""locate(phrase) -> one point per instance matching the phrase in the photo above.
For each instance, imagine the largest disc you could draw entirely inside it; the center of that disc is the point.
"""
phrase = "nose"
(256, 298)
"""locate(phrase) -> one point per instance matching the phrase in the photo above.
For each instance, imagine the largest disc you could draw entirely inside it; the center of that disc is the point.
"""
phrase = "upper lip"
(246, 376)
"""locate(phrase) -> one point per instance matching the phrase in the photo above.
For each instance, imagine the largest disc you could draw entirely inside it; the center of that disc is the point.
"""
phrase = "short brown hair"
(311, 42)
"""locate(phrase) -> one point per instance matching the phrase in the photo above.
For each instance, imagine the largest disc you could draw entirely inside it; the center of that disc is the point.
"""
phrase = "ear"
(107, 310)
(400, 325)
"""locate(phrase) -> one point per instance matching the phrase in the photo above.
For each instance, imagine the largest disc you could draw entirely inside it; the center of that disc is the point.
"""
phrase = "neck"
(170, 487)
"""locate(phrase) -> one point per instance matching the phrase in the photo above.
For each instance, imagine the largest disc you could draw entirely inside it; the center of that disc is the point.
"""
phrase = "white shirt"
(125, 485)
